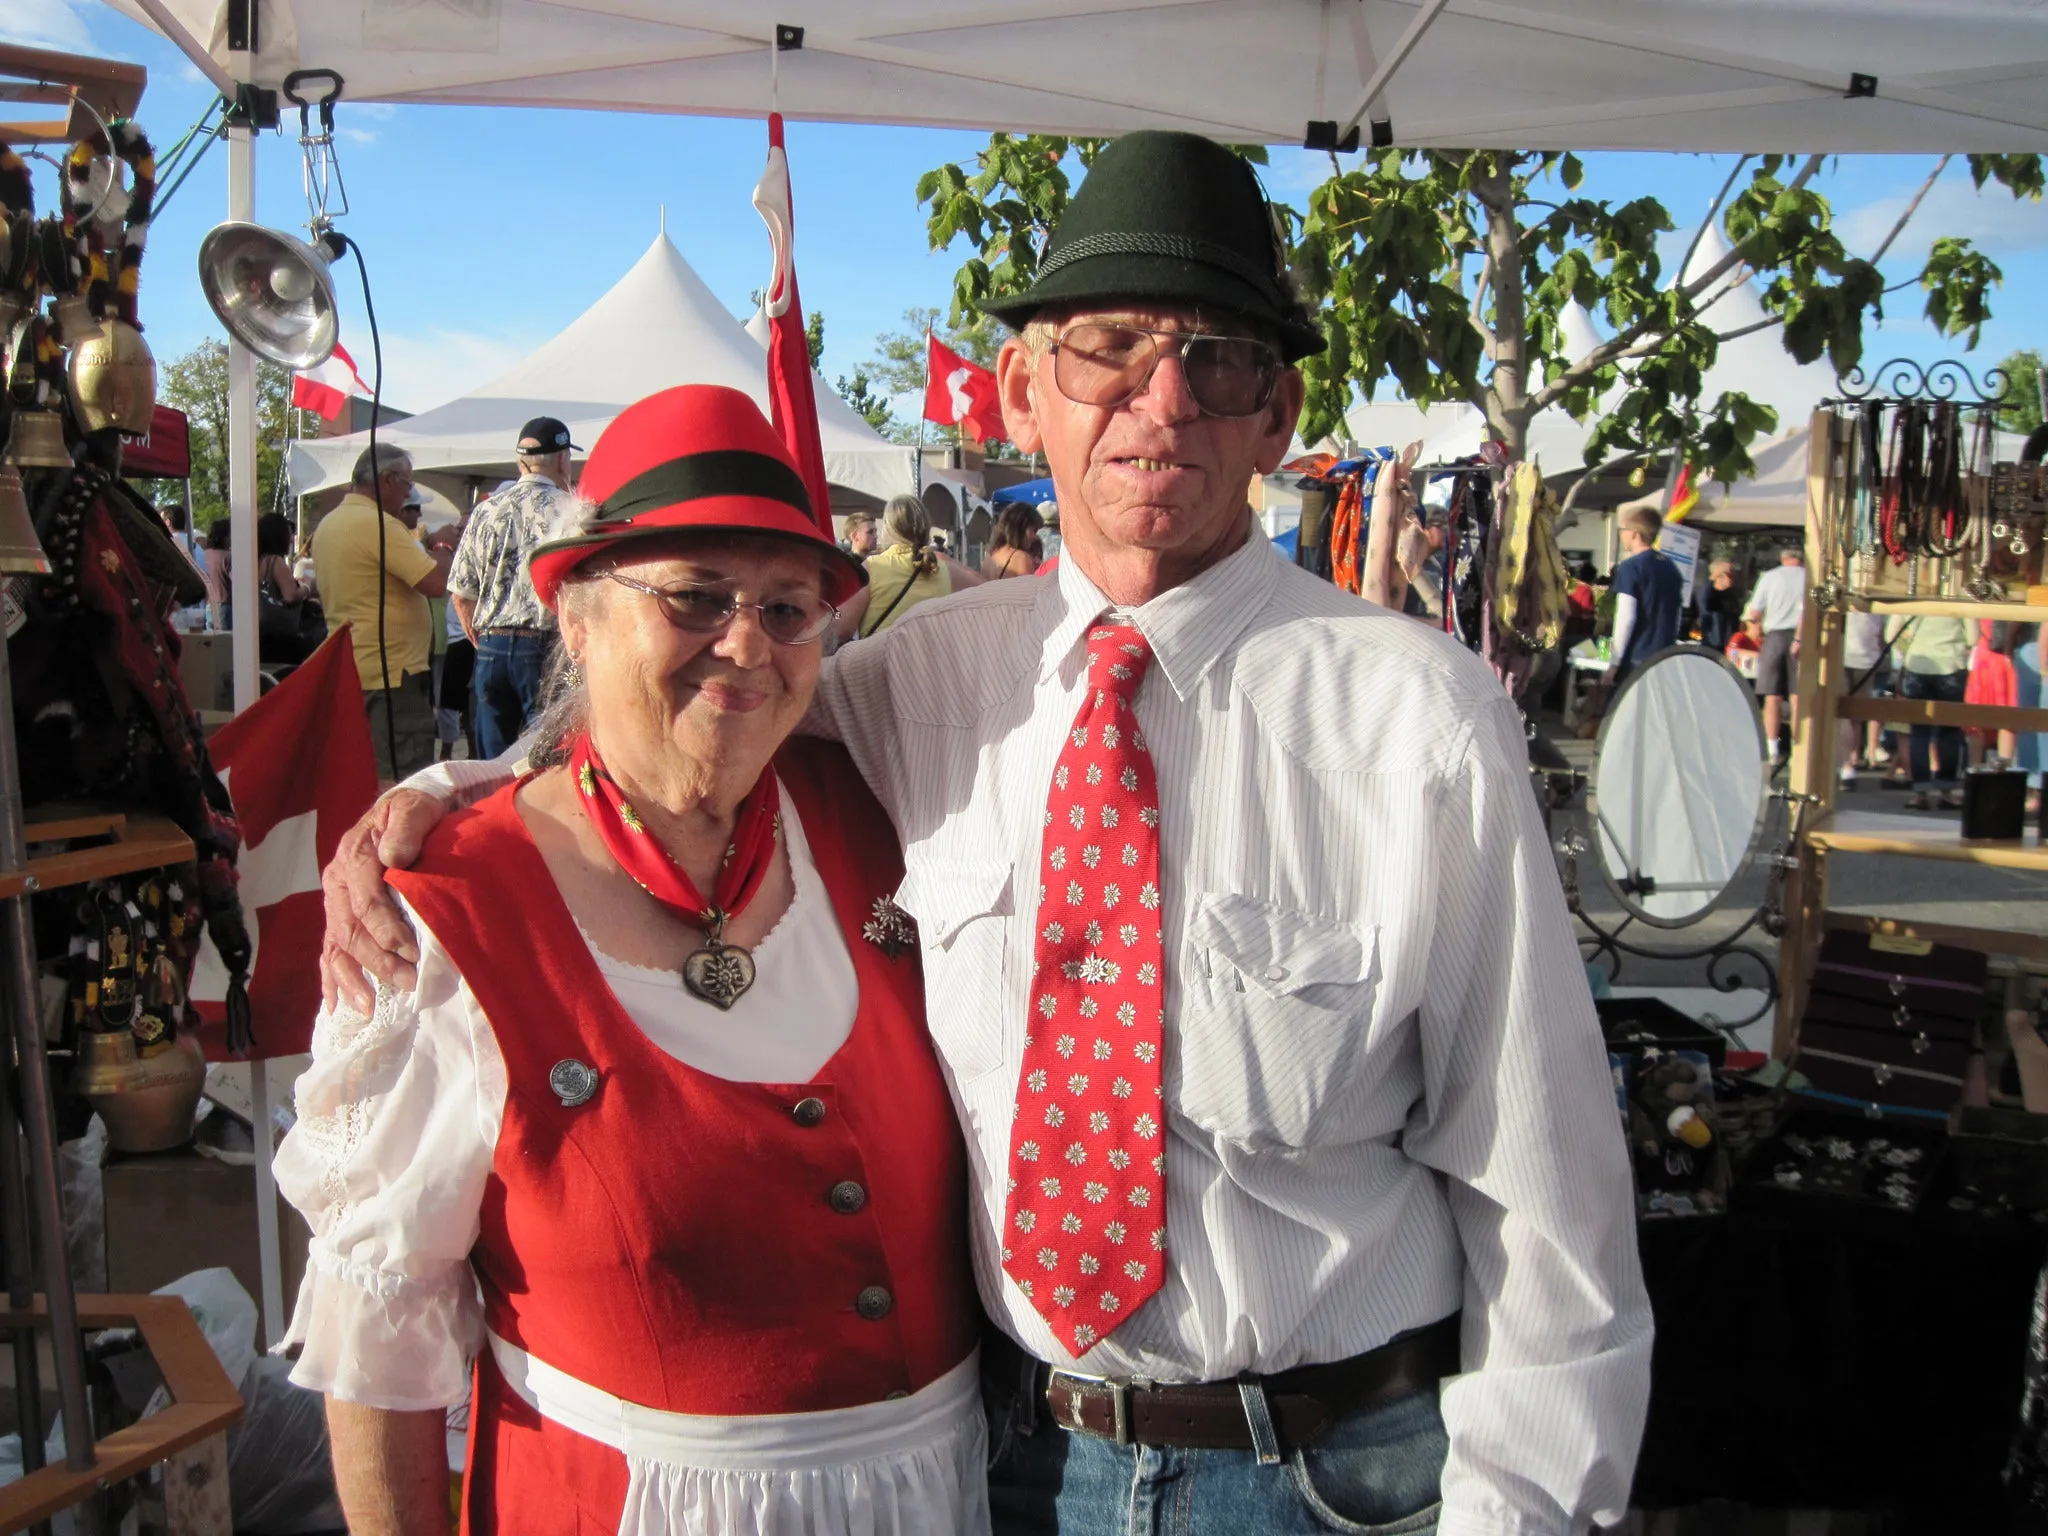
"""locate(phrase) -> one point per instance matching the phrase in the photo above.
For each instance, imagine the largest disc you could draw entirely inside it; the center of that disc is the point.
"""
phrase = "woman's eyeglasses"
(1098, 364)
(707, 610)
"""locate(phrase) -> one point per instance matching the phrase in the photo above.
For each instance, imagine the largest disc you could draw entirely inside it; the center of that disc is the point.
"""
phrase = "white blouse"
(399, 1117)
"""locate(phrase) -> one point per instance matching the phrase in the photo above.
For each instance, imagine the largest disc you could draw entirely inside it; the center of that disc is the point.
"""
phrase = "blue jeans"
(1943, 744)
(1375, 1471)
(506, 685)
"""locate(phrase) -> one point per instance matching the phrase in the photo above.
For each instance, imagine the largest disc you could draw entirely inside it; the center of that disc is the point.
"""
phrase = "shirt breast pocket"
(963, 914)
(1276, 1009)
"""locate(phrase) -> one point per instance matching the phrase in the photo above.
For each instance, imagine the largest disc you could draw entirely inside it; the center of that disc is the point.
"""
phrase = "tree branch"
(1750, 330)
(1911, 208)
(1620, 343)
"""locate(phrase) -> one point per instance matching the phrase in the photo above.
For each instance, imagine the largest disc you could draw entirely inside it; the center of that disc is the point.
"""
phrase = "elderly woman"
(908, 571)
(663, 1148)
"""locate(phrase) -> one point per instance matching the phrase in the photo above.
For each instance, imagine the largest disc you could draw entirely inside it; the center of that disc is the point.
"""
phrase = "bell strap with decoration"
(720, 972)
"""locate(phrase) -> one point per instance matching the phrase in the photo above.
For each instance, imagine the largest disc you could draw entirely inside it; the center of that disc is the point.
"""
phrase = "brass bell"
(75, 323)
(21, 553)
(38, 441)
(147, 1102)
(113, 380)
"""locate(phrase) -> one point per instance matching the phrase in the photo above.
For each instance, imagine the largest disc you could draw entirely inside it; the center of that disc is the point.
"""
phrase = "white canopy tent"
(658, 326)
(1842, 76)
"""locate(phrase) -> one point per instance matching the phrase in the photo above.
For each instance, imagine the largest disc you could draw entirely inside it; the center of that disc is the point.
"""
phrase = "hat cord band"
(1180, 247)
(701, 477)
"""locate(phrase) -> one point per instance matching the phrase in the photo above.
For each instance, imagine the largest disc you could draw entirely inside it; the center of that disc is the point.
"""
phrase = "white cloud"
(423, 371)
(1994, 219)
(357, 135)
(58, 24)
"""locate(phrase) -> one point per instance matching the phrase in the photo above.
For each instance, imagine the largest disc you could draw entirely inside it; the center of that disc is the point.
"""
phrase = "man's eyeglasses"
(1098, 364)
(707, 610)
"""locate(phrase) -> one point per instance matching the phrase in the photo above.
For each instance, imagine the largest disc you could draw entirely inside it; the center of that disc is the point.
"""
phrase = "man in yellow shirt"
(397, 680)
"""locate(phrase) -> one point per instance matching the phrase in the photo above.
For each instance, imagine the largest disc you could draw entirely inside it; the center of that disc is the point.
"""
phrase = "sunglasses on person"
(1098, 363)
(707, 610)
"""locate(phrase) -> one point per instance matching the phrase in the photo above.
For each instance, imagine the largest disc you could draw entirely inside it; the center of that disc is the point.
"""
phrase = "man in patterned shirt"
(493, 596)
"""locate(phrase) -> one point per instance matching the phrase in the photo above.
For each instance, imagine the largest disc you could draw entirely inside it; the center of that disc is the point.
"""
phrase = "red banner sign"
(166, 451)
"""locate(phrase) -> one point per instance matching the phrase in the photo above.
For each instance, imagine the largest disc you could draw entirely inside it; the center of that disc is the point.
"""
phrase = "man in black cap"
(488, 586)
(1300, 1202)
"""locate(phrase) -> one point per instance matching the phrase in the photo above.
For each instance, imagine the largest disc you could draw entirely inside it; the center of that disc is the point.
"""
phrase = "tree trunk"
(1507, 395)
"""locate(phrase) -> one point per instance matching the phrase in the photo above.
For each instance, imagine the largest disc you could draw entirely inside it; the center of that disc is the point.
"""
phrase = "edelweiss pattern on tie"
(1084, 1233)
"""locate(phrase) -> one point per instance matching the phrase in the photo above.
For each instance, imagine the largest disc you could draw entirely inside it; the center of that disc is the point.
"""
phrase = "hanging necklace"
(719, 973)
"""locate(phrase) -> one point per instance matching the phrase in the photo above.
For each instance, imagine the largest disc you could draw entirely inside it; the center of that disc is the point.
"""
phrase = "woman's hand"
(365, 929)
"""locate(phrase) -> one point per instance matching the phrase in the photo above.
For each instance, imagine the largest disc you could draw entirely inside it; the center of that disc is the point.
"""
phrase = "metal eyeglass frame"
(1159, 356)
(732, 609)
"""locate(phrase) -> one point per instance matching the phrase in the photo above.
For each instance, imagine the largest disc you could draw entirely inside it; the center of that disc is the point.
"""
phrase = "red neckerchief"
(641, 855)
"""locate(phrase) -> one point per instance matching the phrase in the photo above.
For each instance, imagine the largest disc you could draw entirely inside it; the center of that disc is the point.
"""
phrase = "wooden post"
(196, 1489)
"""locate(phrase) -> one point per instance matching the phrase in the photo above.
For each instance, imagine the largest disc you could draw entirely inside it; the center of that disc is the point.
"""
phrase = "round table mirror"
(1679, 786)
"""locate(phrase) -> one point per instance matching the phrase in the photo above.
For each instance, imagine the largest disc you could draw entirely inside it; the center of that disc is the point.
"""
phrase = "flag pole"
(269, 1260)
(923, 405)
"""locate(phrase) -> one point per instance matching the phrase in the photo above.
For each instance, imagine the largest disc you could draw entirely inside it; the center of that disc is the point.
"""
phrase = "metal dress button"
(847, 1197)
(874, 1303)
(808, 1112)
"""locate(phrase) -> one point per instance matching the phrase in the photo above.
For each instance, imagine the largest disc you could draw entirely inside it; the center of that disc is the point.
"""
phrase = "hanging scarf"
(640, 854)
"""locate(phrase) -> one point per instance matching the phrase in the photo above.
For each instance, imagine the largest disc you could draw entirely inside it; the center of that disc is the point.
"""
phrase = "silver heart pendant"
(719, 973)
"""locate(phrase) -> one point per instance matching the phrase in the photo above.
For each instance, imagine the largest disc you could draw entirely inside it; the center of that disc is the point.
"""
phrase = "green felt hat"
(1168, 218)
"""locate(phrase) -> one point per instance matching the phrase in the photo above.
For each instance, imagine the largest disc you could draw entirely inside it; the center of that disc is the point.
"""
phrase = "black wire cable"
(377, 494)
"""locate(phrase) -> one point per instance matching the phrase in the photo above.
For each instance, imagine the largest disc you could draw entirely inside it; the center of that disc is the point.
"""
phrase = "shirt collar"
(1188, 627)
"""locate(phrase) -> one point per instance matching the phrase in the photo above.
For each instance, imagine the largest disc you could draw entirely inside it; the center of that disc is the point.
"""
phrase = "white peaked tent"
(1841, 76)
(658, 326)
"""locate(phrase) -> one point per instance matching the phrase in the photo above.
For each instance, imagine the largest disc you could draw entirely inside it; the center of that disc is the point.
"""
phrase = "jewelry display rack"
(1827, 830)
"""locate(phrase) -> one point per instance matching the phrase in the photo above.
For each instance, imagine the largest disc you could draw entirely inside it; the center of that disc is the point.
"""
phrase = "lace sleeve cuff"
(385, 1340)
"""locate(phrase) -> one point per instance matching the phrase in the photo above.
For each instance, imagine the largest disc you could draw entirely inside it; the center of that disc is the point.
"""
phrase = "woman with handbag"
(290, 626)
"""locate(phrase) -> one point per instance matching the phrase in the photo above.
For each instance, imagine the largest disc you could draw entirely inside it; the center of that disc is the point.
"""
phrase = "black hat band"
(702, 476)
(1178, 247)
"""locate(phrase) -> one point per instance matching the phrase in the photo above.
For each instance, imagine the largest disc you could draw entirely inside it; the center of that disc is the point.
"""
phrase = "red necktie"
(1084, 1233)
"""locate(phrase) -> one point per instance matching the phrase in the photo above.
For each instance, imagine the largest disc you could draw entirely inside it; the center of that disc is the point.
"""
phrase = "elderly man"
(492, 596)
(1300, 1198)
(369, 563)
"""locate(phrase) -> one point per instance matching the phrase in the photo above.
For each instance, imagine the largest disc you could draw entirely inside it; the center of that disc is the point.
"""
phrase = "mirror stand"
(1728, 958)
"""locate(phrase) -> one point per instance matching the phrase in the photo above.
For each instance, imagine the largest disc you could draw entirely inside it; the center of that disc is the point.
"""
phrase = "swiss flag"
(960, 393)
(299, 767)
(325, 389)
(792, 404)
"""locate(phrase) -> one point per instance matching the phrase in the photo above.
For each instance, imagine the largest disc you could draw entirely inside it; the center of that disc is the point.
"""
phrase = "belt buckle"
(1119, 1390)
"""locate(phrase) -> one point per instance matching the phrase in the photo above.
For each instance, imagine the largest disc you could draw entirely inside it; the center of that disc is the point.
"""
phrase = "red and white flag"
(325, 389)
(960, 393)
(299, 767)
(792, 403)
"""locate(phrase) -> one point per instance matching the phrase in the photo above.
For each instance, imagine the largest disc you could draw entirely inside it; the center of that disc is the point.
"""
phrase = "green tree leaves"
(1448, 275)
(197, 384)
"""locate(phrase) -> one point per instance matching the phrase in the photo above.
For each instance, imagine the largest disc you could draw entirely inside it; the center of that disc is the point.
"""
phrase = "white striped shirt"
(1387, 1098)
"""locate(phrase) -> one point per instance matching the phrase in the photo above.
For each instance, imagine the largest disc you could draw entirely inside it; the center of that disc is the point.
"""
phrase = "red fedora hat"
(699, 458)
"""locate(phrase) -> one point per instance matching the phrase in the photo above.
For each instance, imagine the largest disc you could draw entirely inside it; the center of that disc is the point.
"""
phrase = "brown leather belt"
(1302, 1403)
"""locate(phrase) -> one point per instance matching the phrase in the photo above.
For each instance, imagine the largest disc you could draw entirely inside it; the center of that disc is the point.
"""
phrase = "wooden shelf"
(1958, 608)
(1992, 941)
(140, 841)
(1916, 837)
(203, 1403)
(1982, 717)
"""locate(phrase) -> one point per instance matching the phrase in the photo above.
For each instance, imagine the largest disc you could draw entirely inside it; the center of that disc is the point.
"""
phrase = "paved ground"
(1927, 889)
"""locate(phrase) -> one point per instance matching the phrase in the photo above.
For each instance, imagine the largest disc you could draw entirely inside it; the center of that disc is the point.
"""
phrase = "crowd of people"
(1925, 657)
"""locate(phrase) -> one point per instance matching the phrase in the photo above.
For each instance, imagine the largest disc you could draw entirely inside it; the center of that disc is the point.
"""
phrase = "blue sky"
(487, 231)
